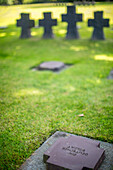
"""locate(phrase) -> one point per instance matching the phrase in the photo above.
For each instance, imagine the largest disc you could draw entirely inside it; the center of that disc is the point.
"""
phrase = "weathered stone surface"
(98, 23)
(51, 65)
(36, 159)
(110, 75)
(74, 153)
(3, 27)
(47, 23)
(72, 18)
(26, 25)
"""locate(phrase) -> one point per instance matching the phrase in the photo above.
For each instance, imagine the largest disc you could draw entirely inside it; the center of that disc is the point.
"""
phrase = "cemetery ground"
(35, 104)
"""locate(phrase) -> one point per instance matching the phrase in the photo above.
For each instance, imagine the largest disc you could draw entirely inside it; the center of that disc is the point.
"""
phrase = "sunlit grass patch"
(2, 34)
(25, 92)
(103, 57)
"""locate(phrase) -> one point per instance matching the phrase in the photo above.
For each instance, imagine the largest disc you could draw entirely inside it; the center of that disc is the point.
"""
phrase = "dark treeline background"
(10, 2)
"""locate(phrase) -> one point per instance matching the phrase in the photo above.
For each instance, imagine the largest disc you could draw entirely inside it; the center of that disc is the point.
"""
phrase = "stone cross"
(26, 24)
(47, 23)
(98, 23)
(72, 18)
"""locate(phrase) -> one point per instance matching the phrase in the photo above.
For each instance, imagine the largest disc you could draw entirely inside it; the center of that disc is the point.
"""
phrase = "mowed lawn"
(35, 104)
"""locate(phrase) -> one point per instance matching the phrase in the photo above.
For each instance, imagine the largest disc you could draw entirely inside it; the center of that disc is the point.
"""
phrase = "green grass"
(33, 104)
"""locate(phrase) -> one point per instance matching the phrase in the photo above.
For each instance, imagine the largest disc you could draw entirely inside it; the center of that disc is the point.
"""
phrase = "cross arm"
(106, 23)
(90, 22)
(64, 17)
(54, 22)
(41, 22)
(18, 23)
(79, 17)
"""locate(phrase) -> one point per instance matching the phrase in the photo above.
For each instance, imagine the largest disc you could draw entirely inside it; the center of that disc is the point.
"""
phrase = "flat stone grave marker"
(72, 18)
(54, 66)
(35, 161)
(3, 27)
(26, 25)
(110, 75)
(74, 153)
(98, 23)
(47, 23)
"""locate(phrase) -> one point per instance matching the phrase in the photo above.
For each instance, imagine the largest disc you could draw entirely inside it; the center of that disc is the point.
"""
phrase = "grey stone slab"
(110, 75)
(55, 66)
(98, 23)
(51, 65)
(26, 24)
(48, 23)
(72, 18)
(3, 27)
(36, 159)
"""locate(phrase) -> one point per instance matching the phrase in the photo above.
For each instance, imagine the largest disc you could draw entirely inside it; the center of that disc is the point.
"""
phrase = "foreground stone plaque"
(35, 161)
(74, 153)
(98, 23)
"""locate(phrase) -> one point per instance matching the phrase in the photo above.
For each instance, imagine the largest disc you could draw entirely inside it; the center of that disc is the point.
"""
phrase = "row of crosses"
(71, 18)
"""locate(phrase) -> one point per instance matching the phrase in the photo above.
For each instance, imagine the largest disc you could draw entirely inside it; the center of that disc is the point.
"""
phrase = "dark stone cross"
(47, 23)
(72, 18)
(98, 23)
(26, 24)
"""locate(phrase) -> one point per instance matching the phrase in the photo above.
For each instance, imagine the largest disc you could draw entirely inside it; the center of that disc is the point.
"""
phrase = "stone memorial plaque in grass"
(110, 75)
(98, 23)
(48, 23)
(26, 25)
(54, 66)
(74, 147)
(3, 27)
(72, 18)
(74, 153)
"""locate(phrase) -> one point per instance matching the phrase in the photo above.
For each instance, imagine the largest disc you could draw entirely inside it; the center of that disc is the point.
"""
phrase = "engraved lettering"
(75, 150)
